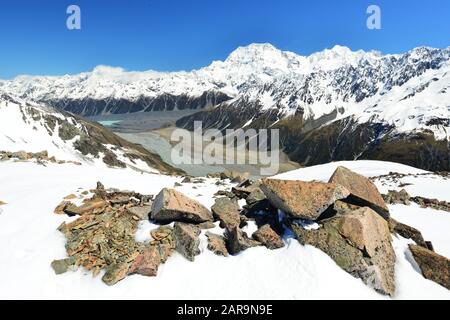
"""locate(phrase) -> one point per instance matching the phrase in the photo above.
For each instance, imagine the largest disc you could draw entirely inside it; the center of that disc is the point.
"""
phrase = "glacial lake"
(152, 130)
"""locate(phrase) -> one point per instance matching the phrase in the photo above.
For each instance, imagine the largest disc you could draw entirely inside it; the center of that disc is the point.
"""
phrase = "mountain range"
(333, 105)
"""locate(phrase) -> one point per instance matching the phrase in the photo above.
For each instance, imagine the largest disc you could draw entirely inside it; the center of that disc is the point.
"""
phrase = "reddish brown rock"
(268, 237)
(303, 200)
(171, 205)
(434, 267)
(237, 241)
(360, 188)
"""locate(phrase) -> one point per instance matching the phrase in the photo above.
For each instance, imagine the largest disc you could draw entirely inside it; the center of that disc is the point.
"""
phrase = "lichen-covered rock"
(187, 240)
(62, 266)
(115, 273)
(407, 232)
(434, 267)
(237, 241)
(93, 206)
(141, 212)
(397, 197)
(268, 237)
(171, 205)
(303, 200)
(217, 244)
(227, 212)
(360, 243)
(361, 188)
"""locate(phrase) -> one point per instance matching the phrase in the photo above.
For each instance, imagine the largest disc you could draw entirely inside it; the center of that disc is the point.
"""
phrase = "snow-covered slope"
(29, 241)
(34, 128)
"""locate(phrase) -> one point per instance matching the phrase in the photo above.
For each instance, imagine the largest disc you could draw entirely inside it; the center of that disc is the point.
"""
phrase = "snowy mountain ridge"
(315, 85)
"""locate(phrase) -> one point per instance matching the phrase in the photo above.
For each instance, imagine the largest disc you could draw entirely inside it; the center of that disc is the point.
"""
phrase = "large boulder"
(434, 267)
(237, 241)
(268, 237)
(171, 205)
(217, 244)
(360, 243)
(303, 200)
(187, 240)
(227, 212)
(361, 189)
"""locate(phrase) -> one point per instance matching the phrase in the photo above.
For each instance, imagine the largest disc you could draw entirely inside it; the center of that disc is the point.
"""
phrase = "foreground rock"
(147, 262)
(217, 244)
(171, 205)
(268, 237)
(187, 240)
(407, 232)
(237, 241)
(397, 197)
(434, 267)
(227, 212)
(103, 237)
(362, 190)
(234, 176)
(303, 200)
(360, 243)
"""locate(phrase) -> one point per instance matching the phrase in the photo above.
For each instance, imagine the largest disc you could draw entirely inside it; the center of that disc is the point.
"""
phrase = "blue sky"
(171, 35)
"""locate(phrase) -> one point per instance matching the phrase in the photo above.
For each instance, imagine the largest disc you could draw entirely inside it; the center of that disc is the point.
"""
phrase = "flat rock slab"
(302, 200)
(237, 241)
(141, 212)
(434, 267)
(171, 205)
(361, 188)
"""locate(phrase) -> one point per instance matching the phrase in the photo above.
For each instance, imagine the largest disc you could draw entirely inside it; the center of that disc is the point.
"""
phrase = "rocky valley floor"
(30, 241)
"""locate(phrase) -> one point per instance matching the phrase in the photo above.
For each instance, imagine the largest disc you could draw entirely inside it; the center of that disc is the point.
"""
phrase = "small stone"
(161, 233)
(147, 262)
(141, 212)
(268, 237)
(434, 267)
(62, 266)
(171, 205)
(361, 189)
(227, 212)
(115, 273)
(206, 225)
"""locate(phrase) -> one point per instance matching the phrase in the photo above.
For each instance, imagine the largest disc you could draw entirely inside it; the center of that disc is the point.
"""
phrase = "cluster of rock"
(40, 157)
(402, 197)
(346, 218)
